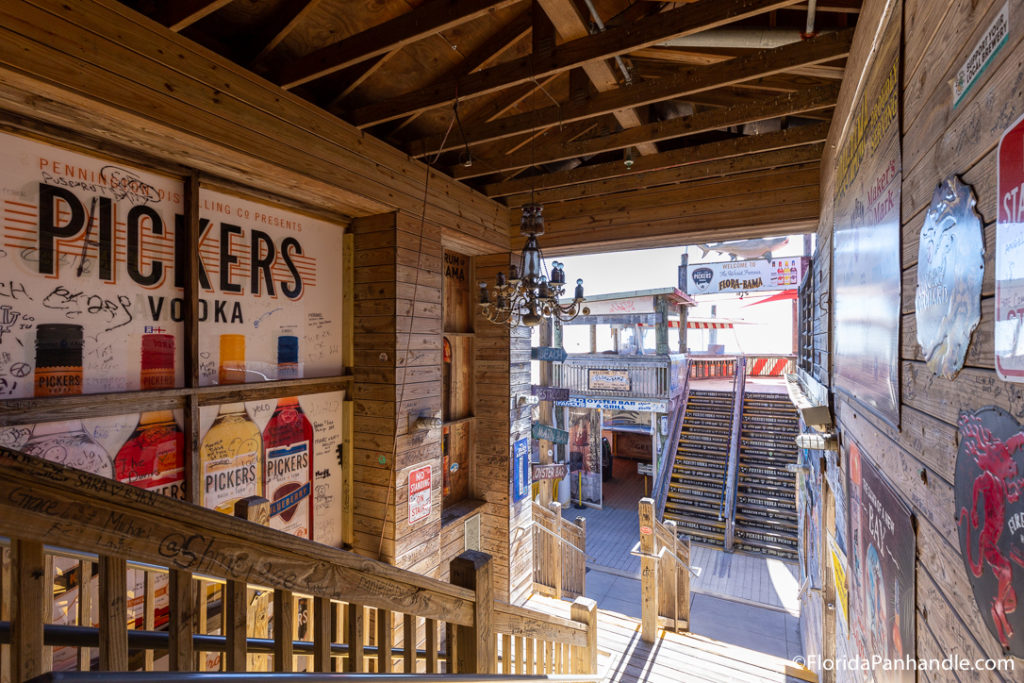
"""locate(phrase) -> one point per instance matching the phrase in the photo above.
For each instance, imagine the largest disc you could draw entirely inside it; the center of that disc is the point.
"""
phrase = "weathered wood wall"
(502, 373)
(919, 458)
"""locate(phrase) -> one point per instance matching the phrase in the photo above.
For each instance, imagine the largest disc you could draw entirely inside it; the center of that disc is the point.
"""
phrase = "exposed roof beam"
(778, 158)
(701, 122)
(686, 82)
(431, 17)
(793, 137)
(183, 13)
(490, 50)
(694, 18)
(283, 23)
(570, 25)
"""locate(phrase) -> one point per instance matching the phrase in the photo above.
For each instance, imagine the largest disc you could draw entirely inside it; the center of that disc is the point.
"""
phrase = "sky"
(765, 328)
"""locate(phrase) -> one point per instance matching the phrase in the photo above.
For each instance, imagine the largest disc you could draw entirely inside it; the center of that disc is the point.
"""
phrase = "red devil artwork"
(998, 483)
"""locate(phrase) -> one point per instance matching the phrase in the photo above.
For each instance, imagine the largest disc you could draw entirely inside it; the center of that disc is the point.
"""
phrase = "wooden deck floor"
(675, 657)
(612, 532)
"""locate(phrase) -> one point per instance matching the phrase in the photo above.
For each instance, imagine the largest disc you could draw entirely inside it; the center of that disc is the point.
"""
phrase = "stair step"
(766, 501)
(782, 538)
(684, 522)
(771, 549)
(697, 499)
(681, 486)
(683, 509)
(749, 521)
(751, 509)
(696, 477)
(760, 490)
(765, 478)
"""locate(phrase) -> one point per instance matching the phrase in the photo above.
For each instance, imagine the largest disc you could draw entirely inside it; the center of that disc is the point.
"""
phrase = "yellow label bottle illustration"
(231, 455)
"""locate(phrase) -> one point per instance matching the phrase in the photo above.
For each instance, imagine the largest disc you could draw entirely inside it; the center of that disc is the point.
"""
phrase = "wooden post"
(430, 644)
(555, 559)
(385, 641)
(149, 612)
(179, 627)
(29, 576)
(284, 629)
(323, 610)
(475, 645)
(113, 597)
(683, 582)
(355, 639)
(545, 411)
(236, 603)
(581, 557)
(648, 573)
(661, 328)
(409, 639)
(85, 599)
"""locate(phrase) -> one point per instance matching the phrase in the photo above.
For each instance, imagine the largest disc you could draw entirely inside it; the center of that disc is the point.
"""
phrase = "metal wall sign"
(990, 43)
(866, 268)
(520, 470)
(615, 404)
(990, 517)
(746, 276)
(1009, 331)
(881, 559)
(950, 267)
(608, 380)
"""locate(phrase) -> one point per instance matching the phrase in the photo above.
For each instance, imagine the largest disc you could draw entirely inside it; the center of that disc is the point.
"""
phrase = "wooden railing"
(729, 493)
(236, 591)
(668, 454)
(664, 575)
(559, 553)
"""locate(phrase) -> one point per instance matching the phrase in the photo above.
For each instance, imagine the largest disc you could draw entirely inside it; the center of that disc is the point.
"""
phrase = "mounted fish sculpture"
(746, 249)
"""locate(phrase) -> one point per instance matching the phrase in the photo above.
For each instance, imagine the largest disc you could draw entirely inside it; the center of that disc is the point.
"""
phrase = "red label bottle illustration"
(59, 373)
(288, 440)
(153, 456)
(231, 455)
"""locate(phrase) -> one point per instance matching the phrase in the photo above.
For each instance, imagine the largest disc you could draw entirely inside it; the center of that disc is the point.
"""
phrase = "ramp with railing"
(321, 609)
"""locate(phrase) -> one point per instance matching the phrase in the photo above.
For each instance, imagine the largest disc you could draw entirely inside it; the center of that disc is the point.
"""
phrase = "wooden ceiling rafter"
(778, 158)
(181, 14)
(281, 26)
(570, 24)
(695, 80)
(792, 137)
(687, 20)
(701, 122)
(433, 16)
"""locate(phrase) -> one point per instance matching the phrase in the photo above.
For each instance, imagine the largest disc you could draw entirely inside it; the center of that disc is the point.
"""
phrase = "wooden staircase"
(765, 517)
(698, 475)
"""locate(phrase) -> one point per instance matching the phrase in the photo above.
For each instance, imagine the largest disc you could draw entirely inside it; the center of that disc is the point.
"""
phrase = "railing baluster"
(149, 611)
(409, 640)
(385, 641)
(355, 661)
(506, 654)
(284, 630)
(530, 646)
(29, 575)
(84, 610)
(322, 617)
(431, 645)
(451, 648)
(520, 655)
(113, 613)
(234, 618)
(180, 602)
(200, 615)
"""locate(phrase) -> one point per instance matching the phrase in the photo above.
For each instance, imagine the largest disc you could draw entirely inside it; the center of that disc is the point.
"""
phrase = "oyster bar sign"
(746, 276)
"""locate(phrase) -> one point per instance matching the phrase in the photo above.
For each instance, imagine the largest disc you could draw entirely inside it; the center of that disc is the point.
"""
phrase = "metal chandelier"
(530, 294)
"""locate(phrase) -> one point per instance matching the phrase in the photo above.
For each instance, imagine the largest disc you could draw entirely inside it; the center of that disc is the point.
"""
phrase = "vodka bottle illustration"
(231, 454)
(288, 440)
(59, 373)
(153, 456)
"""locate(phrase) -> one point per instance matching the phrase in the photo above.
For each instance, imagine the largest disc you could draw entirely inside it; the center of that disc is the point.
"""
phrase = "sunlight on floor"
(786, 586)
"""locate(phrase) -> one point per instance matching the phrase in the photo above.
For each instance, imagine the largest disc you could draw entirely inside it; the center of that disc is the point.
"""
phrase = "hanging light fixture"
(530, 294)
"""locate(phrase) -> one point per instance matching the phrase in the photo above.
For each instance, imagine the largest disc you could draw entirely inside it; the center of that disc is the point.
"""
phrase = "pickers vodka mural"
(92, 285)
